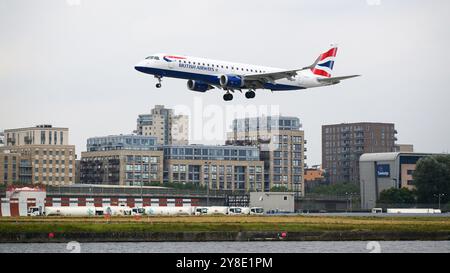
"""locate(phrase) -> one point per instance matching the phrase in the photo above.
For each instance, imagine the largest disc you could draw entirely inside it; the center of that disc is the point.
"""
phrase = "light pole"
(439, 195)
(207, 185)
(349, 200)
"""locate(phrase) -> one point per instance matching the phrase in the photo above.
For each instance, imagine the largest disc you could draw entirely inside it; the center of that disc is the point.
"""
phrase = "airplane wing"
(273, 76)
(335, 80)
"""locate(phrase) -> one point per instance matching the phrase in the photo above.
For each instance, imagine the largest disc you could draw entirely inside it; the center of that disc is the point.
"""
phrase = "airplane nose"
(140, 66)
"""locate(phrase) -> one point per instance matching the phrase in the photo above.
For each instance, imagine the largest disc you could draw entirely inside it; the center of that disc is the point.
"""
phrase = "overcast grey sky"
(70, 62)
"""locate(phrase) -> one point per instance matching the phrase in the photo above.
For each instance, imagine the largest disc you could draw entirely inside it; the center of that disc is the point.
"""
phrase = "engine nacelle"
(231, 81)
(198, 86)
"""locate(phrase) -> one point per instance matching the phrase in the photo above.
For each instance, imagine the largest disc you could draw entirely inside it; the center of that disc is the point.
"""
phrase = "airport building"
(221, 167)
(126, 160)
(41, 154)
(381, 171)
(163, 124)
(273, 201)
(343, 144)
(282, 148)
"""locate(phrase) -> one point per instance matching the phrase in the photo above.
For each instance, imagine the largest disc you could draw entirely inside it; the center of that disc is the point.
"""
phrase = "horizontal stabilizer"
(335, 80)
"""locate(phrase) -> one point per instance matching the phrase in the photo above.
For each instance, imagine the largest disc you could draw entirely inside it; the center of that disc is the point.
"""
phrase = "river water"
(234, 247)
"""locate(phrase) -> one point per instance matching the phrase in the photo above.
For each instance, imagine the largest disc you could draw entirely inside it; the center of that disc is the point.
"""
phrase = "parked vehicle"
(238, 210)
(413, 210)
(117, 210)
(36, 211)
(137, 211)
(168, 210)
(214, 210)
(256, 210)
(70, 211)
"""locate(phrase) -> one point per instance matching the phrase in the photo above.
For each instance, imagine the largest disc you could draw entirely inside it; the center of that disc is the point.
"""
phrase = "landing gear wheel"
(250, 94)
(158, 85)
(227, 97)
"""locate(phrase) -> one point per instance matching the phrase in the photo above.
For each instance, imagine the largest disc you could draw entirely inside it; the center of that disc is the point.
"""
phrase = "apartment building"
(163, 124)
(282, 148)
(126, 160)
(343, 144)
(236, 168)
(42, 154)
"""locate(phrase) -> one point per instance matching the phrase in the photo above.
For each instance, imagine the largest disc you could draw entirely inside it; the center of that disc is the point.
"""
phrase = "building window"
(42, 137)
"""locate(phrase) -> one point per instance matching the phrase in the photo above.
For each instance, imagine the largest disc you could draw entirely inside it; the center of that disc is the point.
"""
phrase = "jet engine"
(231, 81)
(198, 86)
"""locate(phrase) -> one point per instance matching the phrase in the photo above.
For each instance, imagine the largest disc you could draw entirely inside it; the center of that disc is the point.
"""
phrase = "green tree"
(336, 189)
(432, 177)
(397, 196)
(279, 189)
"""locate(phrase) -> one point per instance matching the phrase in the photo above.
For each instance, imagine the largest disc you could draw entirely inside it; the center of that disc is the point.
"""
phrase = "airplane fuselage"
(209, 71)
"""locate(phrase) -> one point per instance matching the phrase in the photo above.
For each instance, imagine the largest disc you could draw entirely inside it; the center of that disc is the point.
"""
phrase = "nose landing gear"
(158, 85)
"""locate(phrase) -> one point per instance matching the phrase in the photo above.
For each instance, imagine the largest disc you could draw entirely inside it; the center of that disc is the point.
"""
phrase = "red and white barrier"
(19, 207)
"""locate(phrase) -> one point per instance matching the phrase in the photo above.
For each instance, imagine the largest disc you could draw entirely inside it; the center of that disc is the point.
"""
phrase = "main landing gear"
(250, 94)
(158, 85)
(228, 96)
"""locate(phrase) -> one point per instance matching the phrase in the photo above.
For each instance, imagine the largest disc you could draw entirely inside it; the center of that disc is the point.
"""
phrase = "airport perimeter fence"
(137, 191)
(313, 196)
(443, 207)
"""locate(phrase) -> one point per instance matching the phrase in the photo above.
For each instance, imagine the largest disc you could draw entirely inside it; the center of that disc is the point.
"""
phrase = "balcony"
(28, 140)
(11, 141)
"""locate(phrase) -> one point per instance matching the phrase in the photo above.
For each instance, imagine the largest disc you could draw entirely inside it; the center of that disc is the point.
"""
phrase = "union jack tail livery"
(325, 63)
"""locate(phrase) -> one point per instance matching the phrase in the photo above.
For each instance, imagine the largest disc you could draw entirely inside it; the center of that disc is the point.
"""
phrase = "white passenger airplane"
(205, 74)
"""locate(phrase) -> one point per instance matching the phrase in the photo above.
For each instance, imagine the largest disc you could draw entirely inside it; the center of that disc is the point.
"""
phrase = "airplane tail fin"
(323, 66)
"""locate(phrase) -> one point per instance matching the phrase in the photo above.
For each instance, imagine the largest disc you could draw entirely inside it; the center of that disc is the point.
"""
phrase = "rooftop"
(37, 127)
(387, 156)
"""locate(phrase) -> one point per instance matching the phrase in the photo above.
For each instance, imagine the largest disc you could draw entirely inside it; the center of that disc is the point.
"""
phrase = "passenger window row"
(223, 66)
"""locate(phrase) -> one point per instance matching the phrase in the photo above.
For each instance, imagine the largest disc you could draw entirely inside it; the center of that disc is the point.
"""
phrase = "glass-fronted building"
(269, 123)
(235, 168)
(121, 142)
(211, 152)
(121, 167)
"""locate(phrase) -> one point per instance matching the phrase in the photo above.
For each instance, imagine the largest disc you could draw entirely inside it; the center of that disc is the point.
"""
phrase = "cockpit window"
(152, 58)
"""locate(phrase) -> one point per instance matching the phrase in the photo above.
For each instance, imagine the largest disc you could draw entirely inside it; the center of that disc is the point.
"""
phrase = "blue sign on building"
(383, 170)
